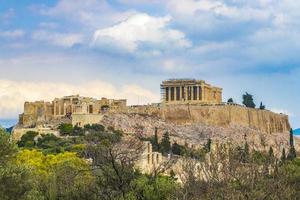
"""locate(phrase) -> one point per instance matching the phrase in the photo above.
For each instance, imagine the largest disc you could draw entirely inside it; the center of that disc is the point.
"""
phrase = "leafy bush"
(27, 140)
(65, 129)
(94, 127)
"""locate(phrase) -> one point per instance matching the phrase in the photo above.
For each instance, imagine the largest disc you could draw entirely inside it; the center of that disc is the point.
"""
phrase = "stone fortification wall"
(36, 113)
(226, 115)
(220, 115)
(19, 132)
(153, 110)
(84, 119)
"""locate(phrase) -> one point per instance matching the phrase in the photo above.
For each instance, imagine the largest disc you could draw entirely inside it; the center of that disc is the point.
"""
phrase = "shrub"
(27, 140)
(65, 129)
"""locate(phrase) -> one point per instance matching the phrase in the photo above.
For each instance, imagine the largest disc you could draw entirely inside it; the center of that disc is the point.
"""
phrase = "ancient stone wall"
(226, 115)
(221, 115)
(149, 160)
(19, 132)
(153, 110)
(36, 113)
(84, 119)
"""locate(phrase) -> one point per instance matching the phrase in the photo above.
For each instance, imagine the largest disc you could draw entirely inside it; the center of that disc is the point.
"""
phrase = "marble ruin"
(149, 159)
(189, 91)
(39, 112)
(184, 101)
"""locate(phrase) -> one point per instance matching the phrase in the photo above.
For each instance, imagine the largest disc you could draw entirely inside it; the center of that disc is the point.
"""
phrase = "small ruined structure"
(149, 160)
(189, 91)
(40, 112)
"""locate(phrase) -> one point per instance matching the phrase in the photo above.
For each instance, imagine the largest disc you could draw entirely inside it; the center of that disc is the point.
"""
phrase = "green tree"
(94, 127)
(155, 143)
(291, 138)
(271, 157)
(283, 156)
(292, 152)
(177, 149)
(208, 145)
(65, 129)
(258, 157)
(27, 140)
(230, 100)
(7, 148)
(49, 143)
(159, 188)
(248, 100)
(61, 176)
(15, 180)
(261, 106)
(165, 145)
(245, 154)
(77, 131)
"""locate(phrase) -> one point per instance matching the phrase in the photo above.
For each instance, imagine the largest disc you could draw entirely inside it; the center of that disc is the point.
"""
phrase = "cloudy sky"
(125, 48)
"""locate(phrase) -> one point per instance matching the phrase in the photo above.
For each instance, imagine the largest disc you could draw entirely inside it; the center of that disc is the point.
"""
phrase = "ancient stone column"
(203, 92)
(166, 94)
(169, 94)
(59, 109)
(65, 109)
(175, 93)
(54, 108)
(198, 94)
(180, 95)
(192, 92)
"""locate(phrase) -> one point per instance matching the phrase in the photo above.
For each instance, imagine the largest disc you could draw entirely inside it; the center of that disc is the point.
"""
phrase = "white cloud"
(59, 39)
(141, 28)
(88, 13)
(13, 94)
(218, 8)
(14, 34)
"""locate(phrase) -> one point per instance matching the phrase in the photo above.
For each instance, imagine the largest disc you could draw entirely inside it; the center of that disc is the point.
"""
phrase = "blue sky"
(125, 48)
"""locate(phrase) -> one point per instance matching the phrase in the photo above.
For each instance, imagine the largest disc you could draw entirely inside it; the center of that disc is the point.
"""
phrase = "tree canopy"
(248, 100)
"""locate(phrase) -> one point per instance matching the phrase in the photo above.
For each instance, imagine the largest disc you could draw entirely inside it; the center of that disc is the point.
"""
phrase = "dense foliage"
(98, 164)
(248, 100)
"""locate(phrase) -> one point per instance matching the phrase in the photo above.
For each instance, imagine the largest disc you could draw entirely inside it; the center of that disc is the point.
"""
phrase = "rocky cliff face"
(197, 134)
(226, 116)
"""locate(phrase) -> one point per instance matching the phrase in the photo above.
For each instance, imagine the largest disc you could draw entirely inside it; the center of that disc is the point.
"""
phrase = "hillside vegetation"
(91, 163)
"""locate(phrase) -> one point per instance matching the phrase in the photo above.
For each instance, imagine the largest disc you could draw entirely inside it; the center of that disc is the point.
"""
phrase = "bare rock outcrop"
(227, 116)
(197, 134)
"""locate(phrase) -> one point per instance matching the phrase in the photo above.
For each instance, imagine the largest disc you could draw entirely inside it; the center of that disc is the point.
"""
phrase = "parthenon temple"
(189, 91)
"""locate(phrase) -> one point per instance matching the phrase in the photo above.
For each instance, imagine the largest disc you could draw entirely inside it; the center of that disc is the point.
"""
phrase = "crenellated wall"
(226, 115)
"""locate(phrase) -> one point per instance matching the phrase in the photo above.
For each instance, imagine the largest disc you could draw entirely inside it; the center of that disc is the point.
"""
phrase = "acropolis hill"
(190, 109)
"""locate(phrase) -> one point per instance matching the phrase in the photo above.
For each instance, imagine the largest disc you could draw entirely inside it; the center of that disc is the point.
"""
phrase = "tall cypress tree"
(291, 138)
(155, 144)
(248, 100)
(245, 154)
(283, 156)
(208, 145)
(292, 152)
(271, 157)
(165, 145)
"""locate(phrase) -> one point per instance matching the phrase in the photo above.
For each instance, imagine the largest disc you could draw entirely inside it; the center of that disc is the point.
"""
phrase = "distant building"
(189, 91)
(39, 112)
